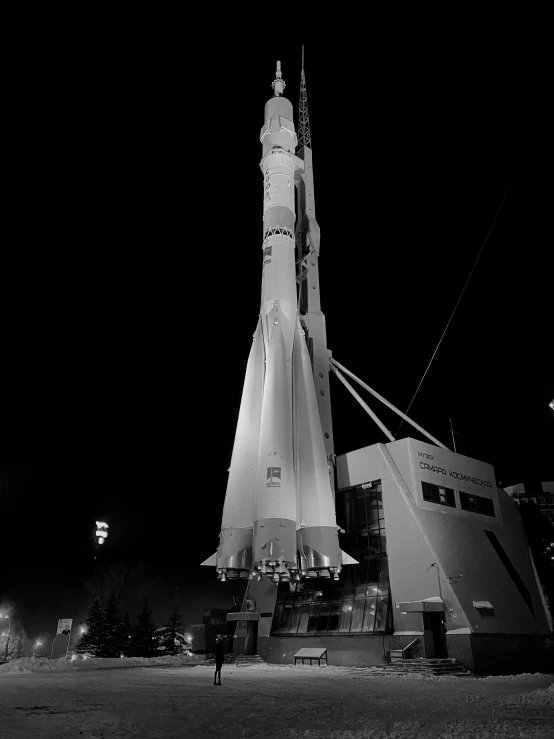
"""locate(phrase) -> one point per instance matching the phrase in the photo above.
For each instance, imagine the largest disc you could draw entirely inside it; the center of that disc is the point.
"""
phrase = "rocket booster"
(279, 512)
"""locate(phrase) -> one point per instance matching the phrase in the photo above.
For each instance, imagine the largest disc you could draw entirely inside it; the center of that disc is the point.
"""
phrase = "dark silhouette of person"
(218, 659)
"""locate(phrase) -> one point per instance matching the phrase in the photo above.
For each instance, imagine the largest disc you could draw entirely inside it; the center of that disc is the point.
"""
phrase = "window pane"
(346, 615)
(384, 586)
(295, 618)
(369, 615)
(334, 619)
(286, 618)
(374, 570)
(357, 616)
(277, 618)
(381, 615)
(362, 510)
(323, 622)
(374, 545)
(312, 623)
(438, 494)
(304, 616)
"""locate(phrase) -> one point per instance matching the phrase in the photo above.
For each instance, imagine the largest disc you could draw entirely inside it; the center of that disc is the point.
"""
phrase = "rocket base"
(318, 548)
(234, 556)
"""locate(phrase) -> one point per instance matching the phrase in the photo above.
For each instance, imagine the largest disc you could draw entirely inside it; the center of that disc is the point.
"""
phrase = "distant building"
(540, 493)
(204, 634)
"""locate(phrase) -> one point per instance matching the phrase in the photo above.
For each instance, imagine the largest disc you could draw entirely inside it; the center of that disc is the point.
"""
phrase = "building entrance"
(435, 635)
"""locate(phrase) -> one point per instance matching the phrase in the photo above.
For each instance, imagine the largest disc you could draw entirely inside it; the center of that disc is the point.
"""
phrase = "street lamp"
(37, 644)
(101, 531)
(5, 615)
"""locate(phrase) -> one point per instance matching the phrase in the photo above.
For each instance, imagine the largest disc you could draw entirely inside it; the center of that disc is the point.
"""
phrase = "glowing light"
(102, 525)
(83, 629)
(551, 405)
(101, 540)
(101, 533)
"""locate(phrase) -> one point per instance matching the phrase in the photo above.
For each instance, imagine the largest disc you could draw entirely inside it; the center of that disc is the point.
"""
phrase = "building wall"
(420, 533)
(502, 654)
(353, 651)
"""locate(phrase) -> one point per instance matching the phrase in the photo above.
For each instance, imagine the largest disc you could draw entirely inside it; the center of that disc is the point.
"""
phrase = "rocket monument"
(279, 511)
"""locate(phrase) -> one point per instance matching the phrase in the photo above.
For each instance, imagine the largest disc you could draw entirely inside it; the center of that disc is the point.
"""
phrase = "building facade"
(540, 493)
(442, 559)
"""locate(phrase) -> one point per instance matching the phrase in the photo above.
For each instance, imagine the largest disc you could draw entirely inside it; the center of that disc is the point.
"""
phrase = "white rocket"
(279, 511)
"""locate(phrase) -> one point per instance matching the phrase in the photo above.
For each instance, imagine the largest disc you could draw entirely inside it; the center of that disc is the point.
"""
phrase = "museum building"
(443, 564)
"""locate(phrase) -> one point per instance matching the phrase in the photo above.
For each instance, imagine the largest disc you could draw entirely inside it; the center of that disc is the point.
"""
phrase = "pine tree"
(144, 642)
(93, 640)
(112, 627)
(126, 635)
(171, 640)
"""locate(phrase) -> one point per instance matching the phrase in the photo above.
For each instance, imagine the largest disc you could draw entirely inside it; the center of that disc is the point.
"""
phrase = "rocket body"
(279, 513)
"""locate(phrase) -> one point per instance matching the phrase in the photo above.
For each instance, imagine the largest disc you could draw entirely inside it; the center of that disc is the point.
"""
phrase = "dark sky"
(129, 284)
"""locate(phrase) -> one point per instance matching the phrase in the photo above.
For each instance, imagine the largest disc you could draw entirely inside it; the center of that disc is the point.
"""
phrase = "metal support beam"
(335, 364)
(364, 405)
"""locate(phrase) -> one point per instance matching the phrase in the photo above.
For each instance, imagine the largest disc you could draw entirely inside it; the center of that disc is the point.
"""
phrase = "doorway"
(435, 635)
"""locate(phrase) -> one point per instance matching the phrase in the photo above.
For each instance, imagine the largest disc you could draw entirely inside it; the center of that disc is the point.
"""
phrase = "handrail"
(410, 645)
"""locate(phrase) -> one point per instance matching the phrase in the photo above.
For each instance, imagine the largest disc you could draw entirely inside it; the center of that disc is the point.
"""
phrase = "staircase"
(425, 666)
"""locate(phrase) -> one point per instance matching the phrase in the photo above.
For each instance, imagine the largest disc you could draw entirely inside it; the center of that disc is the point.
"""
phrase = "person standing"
(218, 659)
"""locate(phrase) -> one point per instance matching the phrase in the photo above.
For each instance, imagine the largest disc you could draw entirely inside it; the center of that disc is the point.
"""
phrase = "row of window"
(542, 500)
(445, 496)
(360, 610)
(359, 603)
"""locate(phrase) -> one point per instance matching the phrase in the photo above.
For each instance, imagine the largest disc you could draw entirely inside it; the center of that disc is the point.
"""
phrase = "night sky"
(130, 279)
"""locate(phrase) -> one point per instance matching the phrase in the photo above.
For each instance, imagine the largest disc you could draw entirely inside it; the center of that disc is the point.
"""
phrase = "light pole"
(36, 644)
(5, 615)
(100, 535)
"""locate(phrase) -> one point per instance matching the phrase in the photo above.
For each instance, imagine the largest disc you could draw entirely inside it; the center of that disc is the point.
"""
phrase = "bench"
(311, 654)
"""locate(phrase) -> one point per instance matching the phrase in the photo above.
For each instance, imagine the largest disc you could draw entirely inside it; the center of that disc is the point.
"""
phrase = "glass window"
(438, 494)
(313, 619)
(334, 619)
(295, 618)
(286, 617)
(303, 620)
(369, 615)
(276, 625)
(357, 615)
(541, 501)
(323, 622)
(359, 602)
(346, 615)
(381, 614)
(476, 504)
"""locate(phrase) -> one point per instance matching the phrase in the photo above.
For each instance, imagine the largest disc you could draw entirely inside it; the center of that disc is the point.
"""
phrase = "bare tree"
(117, 578)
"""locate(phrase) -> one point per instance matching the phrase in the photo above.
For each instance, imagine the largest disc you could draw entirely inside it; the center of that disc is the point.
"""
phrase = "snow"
(37, 664)
(273, 702)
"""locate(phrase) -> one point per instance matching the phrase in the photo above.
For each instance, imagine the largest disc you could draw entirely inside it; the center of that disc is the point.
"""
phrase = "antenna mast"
(304, 138)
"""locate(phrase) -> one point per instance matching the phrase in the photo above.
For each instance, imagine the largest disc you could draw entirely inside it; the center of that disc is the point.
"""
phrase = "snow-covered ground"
(273, 702)
(62, 664)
